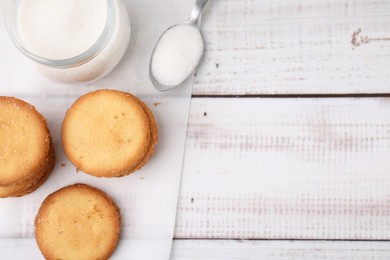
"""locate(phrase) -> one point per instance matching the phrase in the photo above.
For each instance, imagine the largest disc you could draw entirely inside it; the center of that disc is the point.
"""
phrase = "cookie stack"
(105, 133)
(109, 133)
(26, 149)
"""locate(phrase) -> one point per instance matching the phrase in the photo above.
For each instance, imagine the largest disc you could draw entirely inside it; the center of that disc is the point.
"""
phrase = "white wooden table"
(288, 145)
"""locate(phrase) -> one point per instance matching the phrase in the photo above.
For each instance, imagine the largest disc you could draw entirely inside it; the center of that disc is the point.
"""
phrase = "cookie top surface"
(105, 133)
(24, 140)
(77, 222)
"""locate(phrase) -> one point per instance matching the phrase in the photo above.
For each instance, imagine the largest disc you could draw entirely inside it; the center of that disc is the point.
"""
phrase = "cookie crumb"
(142, 178)
(62, 164)
(156, 103)
(205, 113)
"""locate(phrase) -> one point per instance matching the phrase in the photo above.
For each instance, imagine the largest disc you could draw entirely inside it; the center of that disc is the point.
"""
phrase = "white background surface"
(264, 51)
(277, 156)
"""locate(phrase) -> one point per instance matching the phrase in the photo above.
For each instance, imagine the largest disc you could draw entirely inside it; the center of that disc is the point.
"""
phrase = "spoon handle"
(197, 10)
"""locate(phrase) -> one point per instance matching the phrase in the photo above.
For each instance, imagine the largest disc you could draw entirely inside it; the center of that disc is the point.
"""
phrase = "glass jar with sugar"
(72, 41)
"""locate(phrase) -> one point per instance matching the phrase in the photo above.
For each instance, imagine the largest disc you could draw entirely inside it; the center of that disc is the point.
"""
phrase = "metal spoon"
(192, 21)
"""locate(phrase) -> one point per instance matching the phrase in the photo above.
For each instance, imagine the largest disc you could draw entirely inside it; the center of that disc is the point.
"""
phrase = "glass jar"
(95, 62)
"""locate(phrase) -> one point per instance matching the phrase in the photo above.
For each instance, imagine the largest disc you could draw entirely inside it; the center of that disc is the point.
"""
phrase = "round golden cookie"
(108, 133)
(77, 222)
(24, 141)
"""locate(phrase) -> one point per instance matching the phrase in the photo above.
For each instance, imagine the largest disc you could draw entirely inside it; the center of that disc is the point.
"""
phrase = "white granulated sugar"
(60, 29)
(177, 54)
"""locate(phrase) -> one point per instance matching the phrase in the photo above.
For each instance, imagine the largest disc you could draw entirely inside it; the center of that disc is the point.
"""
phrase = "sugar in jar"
(70, 41)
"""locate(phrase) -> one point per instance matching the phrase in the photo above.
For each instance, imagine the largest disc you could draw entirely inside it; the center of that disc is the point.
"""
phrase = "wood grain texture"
(26, 249)
(283, 250)
(286, 168)
(295, 47)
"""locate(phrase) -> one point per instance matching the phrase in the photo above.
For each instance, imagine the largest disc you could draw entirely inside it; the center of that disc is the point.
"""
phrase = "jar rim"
(10, 9)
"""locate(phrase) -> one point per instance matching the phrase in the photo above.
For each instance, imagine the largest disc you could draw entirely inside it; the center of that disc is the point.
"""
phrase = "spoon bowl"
(193, 22)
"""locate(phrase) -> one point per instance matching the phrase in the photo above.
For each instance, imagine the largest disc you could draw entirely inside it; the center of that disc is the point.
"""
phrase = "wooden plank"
(283, 250)
(24, 249)
(253, 47)
(286, 168)
(295, 47)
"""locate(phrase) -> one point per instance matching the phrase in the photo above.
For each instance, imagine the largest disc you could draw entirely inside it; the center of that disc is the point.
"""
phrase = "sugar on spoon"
(178, 52)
